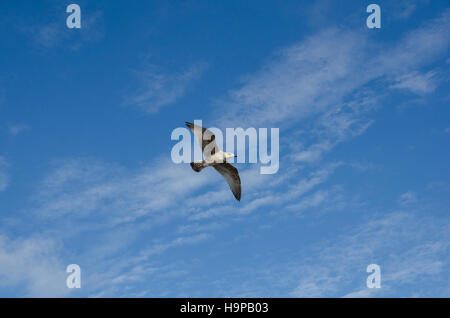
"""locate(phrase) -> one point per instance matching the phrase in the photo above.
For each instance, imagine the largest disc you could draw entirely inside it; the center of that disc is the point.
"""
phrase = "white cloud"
(161, 88)
(179, 241)
(408, 248)
(363, 293)
(313, 84)
(306, 79)
(16, 129)
(416, 82)
(407, 198)
(4, 179)
(266, 192)
(334, 127)
(313, 200)
(50, 34)
(31, 264)
(98, 197)
(402, 9)
(82, 187)
(313, 153)
(312, 80)
(302, 80)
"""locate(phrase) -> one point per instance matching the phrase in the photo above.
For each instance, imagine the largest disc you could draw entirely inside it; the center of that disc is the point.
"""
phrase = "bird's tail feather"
(197, 166)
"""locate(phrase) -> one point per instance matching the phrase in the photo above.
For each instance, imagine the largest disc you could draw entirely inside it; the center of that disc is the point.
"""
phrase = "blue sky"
(86, 177)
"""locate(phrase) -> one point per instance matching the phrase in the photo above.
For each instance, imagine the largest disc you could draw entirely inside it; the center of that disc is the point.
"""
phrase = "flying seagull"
(215, 158)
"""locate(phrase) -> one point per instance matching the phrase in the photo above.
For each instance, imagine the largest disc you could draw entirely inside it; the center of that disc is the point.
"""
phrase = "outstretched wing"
(205, 137)
(231, 174)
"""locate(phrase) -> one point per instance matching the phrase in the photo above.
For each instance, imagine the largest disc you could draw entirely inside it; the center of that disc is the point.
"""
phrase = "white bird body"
(216, 158)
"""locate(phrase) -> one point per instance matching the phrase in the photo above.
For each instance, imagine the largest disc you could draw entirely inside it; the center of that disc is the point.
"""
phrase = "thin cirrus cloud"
(311, 80)
(52, 34)
(4, 179)
(84, 190)
(302, 80)
(82, 187)
(352, 253)
(409, 246)
(416, 82)
(16, 129)
(158, 88)
(337, 267)
(407, 198)
(33, 265)
(313, 83)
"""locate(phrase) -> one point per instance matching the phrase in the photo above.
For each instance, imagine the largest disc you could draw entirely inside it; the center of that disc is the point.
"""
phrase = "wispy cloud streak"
(162, 88)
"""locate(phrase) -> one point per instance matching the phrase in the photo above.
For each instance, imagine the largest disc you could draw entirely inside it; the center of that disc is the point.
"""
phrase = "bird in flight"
(216, 158)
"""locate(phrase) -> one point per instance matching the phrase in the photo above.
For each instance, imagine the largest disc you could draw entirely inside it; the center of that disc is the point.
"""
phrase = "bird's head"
(229, 155)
